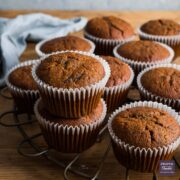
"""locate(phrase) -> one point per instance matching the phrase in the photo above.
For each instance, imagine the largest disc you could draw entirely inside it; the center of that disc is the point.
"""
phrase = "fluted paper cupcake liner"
(24, 99)
(116, 95)
(146, 95)
(72, 103)
(41, 53)
(139, 66)
(137, 158)
(105, 46)
(172, 40)
(69, 139)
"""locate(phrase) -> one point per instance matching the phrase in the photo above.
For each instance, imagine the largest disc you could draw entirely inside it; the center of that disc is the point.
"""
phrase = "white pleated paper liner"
(66, 138)
(171, 40)
(142, 159)
(105, 46)
(139, 65)
(72, 103)
(41, 53)
(146, 95)
(24, 99)
(116, 95)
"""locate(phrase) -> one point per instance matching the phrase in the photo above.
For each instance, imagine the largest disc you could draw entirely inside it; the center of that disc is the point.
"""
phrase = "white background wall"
(91, 4)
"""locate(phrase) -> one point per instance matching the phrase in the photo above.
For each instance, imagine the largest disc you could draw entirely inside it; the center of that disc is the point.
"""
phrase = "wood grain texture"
(13, 166)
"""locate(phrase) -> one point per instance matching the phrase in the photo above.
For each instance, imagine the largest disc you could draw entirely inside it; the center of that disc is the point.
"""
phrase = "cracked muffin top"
(162, 27)
(70, 70)
(145, 127)
(120, 71)
(162, 81)
(143, 51)
(22, 78)
(66, 43)
(109, 27)
(88, 119)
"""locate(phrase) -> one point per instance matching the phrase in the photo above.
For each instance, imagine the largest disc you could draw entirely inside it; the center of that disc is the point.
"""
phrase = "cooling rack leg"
(101, 134)
(2, 93)
(127, 174)
(68, 167)
(3, 115)
(101, 163)
(155, 177)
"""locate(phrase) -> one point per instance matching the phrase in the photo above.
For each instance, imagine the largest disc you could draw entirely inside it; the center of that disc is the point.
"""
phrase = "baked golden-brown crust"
(70, 70)
(146, 127)
(22, 78)
(65, 43)
(162, 81)
(91, 118)
(143, 51)
(162, 27)
(120, 72)
(109, 27)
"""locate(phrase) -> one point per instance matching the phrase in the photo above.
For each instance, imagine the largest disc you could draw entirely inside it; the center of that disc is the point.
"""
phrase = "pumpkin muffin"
(146, 127)
(162, 27)
(118, 84)
(22, 86)
(64, 43)
(70, 70)
(120, 71)
(108, 31)
(70, 135)
(162, 30)
(161, 83)
(109, 27)
(71, 82)
(143, 53)
(22, 78)
(143, 128)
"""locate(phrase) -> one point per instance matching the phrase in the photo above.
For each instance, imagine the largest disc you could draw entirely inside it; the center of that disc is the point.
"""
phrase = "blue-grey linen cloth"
(35, 27)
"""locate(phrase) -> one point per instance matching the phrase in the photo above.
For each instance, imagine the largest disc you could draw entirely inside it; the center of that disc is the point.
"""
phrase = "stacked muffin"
(70, 111)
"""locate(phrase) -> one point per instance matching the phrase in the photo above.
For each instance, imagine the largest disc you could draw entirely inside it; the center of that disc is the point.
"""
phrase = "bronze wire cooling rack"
(39, 151)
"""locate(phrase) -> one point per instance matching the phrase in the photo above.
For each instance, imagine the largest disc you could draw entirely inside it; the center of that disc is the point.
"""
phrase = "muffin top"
(65, 43)
(162, 27)
(109, 27)
(143, 51)
(88, 119)
(70, 70)
(22, 78)
(145, 127)
(120, 71)
(162, 81)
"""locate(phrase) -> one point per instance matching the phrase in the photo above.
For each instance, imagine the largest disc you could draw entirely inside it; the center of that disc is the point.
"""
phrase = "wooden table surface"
(14, 166)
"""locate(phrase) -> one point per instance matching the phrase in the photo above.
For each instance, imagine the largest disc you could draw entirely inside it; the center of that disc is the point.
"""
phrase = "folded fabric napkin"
(35, 27)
